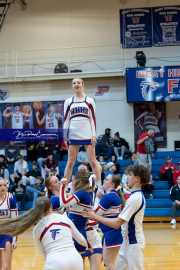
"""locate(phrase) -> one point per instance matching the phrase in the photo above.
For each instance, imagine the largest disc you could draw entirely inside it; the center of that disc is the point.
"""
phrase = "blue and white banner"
(166, 26)
(30, 117)
(25, 135)
(136, 28)
(153, 84)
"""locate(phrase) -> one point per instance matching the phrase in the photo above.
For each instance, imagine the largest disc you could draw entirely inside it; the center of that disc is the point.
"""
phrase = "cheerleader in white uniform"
(8, 210)
(80, 128)
(52, 184)
(80, 200)
(52, 235)
(130, 256)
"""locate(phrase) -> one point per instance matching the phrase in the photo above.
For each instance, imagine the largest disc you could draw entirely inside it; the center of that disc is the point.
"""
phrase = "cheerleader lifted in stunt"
(80, 128)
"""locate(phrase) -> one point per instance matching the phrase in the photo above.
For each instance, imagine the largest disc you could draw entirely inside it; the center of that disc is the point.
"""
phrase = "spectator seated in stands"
(101, 161)
(113, 159)
(176, 174)
(31, 176)
(82, 155)
(148, 188)
(104, 144)
(4, 172)
(53, 172)
(134, 158)
(12, 151)
(175, 197)
(63, 150)
(31, 151)
(103, 172)
(20, 168)
(49, 163)
(111, 168)
(167, 171)
(54, 146)
(35, 190)
(126, 192)
(42, 151)
(19, 191)
(120, 146)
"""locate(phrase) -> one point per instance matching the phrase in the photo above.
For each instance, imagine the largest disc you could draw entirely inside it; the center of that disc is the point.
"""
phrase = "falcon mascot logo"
(147, 87)
(4, 94)
(54, 233)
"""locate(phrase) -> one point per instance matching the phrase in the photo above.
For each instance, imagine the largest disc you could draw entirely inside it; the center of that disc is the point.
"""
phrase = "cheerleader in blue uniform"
(80, 200)
(110, 206)
(8, 209)
(80, 128)
(52, 184)
(93, 236)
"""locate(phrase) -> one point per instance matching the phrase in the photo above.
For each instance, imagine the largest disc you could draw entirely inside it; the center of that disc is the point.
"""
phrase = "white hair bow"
(91, 179)
(46, 191)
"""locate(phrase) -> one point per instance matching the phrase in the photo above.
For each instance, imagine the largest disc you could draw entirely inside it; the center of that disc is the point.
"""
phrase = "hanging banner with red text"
(153, 84)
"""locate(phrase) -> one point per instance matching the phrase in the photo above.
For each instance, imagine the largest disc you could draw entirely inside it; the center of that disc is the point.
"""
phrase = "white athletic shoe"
(173, 221)
(121, 158)
(173, 226)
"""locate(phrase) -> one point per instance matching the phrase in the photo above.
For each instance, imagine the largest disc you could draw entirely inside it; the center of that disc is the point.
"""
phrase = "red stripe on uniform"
(99, 207)
(65, 201)
(94, 119)
(46, 229)
(66, 114)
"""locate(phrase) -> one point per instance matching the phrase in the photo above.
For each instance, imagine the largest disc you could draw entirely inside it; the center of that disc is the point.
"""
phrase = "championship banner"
(31, 121)
(166, 26)
(135, 28)
(151, 115)
(153, 84)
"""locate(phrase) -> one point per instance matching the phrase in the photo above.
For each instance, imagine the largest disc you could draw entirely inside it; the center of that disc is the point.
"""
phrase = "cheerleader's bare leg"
(72, 154)
(109, 256)
(6, 257)
(95, 261)
(90, 150)
(0, 260)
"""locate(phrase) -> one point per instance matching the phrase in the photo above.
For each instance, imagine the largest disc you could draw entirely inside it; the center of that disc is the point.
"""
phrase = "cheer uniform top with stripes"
(109, 206)
(8, 209)
(150, 121)
(79, 201)
(53, 235)
(79, 121)
(133, 214)
(56, 204)
(10, 195)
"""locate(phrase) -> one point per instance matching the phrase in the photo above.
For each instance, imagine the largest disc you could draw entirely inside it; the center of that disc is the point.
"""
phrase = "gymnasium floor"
(162, 249)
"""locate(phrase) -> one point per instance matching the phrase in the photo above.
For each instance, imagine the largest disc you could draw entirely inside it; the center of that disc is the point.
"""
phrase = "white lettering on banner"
(159, 139)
